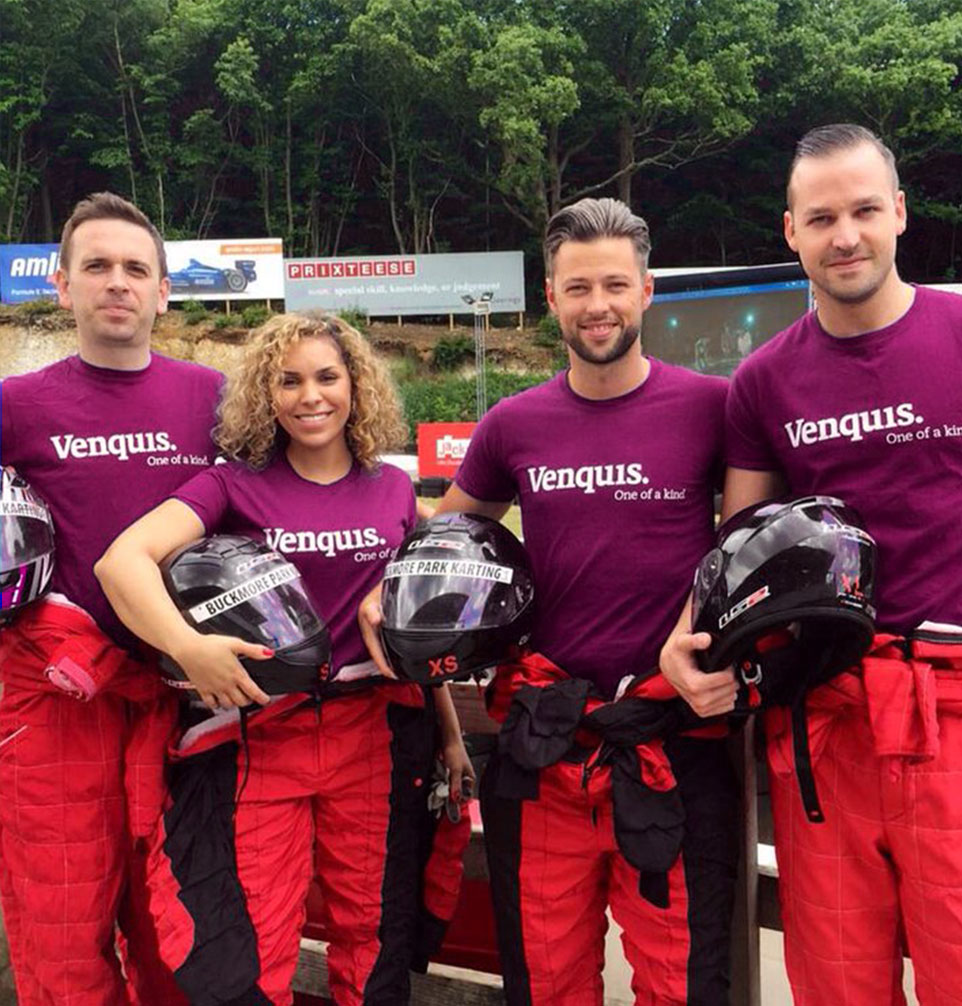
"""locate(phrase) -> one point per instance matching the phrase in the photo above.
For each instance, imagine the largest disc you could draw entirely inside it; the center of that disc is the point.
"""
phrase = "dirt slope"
(27, 342)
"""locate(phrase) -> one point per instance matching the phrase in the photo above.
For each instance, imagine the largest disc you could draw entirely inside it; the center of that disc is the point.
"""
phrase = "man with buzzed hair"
(860, 399)
(615, 461)
(103, 436)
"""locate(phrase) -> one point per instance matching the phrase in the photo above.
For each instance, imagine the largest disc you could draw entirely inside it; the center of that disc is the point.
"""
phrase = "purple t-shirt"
(103, 447)
(875, 419)
(340, 536)
(616, 505)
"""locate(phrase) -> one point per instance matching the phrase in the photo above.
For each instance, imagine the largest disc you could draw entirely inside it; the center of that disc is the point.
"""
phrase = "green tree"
(37, 57)
(525, 81)
(584, 95)
(893, 66)
(406, 66)
(672, 80)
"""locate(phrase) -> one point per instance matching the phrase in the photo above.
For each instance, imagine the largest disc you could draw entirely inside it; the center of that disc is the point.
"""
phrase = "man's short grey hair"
(590, 219)
(823, 141)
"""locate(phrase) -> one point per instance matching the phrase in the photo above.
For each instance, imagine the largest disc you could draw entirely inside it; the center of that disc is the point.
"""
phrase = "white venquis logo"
(588, 478)
(853, 425)
(328, 543)
(118, 445)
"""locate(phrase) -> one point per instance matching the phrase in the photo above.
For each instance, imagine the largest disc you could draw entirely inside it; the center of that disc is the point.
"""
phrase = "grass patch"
(37, 308)
(403, 368)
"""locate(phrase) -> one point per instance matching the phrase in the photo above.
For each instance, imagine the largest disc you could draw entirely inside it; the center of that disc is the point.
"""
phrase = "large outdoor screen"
(711, 320)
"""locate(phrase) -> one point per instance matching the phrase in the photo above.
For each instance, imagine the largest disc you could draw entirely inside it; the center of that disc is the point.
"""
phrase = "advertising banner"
(246, 269)
(441, 448)
(388, 285)
(201, 270)
(26, 272)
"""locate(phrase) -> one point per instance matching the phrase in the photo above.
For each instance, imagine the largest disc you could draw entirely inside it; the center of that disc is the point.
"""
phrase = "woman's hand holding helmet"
(212, 665)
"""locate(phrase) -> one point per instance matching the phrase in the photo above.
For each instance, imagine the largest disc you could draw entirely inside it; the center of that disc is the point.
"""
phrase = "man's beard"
(838, 291)
(858, 295)
(629, 336)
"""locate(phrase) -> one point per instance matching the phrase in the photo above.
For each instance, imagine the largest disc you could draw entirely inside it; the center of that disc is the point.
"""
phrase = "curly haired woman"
(333, 789)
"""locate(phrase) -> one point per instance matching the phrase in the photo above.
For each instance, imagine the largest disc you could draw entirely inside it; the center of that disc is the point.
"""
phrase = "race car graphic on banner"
(213, 279)
(226, 270)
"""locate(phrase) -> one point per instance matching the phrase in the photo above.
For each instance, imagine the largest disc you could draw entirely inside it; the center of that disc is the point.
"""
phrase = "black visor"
(453, 594)
(815, 538)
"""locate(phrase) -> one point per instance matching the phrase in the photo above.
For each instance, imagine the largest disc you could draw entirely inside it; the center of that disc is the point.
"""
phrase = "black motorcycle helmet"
(802, 570)
(457, 597)
(234, 586)
(26, 544)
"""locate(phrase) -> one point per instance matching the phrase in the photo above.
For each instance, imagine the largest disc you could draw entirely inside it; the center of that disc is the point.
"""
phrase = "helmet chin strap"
(244, 712)
(800, 744)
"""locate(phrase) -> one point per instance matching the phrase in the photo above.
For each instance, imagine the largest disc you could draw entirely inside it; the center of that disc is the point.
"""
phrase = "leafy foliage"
(254, 314)
(452, 399)
(378, 126)
(355, 318)
(549, 331)
(194, 312)
(451, 351)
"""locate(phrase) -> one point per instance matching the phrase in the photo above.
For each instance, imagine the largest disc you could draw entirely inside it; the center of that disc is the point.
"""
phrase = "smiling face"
(844, 222)
(114, 288)
(599, 293)
(312, 400)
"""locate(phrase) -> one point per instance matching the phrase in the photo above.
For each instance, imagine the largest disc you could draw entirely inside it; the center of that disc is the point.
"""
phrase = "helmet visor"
(773, 548)
(273, 605)
(452, 594)
(821, 527)
(25, 533)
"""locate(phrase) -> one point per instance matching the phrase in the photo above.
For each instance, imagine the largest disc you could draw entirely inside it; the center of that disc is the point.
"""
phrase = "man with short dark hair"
(102, 436)
(860, 399)
(604, 800)
(109, 206)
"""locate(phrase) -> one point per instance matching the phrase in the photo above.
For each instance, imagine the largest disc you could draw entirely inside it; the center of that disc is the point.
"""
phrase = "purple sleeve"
(207, 495)
(484, 473)
(411, 520)
(746, 445)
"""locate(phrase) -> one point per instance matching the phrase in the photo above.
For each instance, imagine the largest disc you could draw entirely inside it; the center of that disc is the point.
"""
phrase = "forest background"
(385, 126)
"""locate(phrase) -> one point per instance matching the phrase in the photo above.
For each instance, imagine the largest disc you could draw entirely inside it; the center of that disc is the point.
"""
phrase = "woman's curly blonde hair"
(247, 430)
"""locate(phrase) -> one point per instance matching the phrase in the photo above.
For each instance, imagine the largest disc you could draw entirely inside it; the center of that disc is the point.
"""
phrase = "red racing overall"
(581, 833)
(335, 790)
(68, 828)
(875, 880)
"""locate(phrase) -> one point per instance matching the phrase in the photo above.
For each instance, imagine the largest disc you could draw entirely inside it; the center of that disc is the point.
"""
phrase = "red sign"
(441, 446)
(351, 268)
